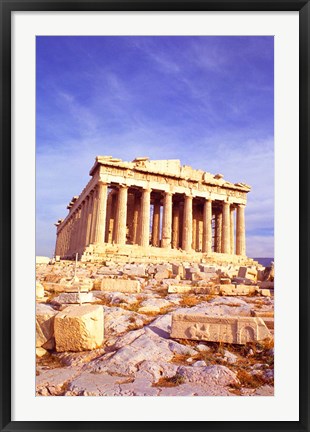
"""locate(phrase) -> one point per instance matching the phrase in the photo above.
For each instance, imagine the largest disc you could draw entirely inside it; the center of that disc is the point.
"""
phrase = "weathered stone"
(120, 285)
(238, 330)
(163, 274)
(242, 281)
(39, 290)
(180, 289)
(79, 328)
(267, 285)
(40, 352)
(178, 270)
(45, 315)
(248, 273)
(64, 287)
(74, 298)
(236, 290)
(264, 292)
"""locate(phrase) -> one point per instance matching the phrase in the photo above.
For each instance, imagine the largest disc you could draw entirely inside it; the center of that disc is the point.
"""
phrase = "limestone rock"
(79, 328)
(238, 330)
(74, 298)
(235, 290)
(45, 316)
(120, 285)
(39, 290)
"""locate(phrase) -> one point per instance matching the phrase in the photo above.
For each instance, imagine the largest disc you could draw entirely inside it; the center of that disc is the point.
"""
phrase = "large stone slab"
(120, 285)
(74, 298)
(248, 273)
(79, 328)
(237, 330)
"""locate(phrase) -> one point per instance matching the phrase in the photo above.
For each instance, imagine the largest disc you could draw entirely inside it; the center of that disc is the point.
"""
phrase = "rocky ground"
(138, 357)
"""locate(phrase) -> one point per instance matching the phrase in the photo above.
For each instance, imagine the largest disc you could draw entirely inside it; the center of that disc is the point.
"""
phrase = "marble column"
(156, 223)
(167, 221)
(240, 230)
(175, 225)
(218, 233)
(145, 217)
(136, 214)
(207, 227)
(100, 222)
(187, 235)
(226, 228)
(121, 215)
(89, 218)
(232, 231)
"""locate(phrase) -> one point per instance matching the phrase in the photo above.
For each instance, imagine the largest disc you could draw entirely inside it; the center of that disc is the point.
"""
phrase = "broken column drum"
(154, 205)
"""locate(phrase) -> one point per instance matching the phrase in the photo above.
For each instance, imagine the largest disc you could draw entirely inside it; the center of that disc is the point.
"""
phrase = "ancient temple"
(153, 208)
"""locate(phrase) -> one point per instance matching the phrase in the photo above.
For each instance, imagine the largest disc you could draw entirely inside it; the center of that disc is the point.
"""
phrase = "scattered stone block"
(39, 290)
(179, 289)
(242, 281)
(228, 329)
(120, 285)
(162, 274)
(236, 290)
(79, 328)
(45, 316)
(178, 270)
(248, 273)
(267, 285)
(262, 313)
(264, 292)
(74, 298)
(40, 352)
(57, 258)
(207, 268)
(225, 281)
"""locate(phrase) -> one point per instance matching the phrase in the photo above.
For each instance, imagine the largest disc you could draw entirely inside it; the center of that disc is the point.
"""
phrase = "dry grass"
(189, 300)
(174, 381)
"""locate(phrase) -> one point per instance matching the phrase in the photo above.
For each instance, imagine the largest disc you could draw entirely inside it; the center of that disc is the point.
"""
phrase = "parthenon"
(154, 207)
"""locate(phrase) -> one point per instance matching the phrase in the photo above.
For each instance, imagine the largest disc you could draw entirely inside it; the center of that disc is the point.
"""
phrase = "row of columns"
(89, 223)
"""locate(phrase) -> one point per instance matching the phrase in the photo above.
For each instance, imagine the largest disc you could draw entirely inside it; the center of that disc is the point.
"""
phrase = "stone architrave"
(226, 329)
(79, 328)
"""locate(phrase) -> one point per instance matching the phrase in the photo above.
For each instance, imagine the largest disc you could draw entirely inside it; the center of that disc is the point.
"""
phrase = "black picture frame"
(6, 8)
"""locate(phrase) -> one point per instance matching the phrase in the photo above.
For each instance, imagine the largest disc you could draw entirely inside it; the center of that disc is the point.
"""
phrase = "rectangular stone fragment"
(179, 289)
(235, 290)
(228, 329)
(79, 328)
(249, 273)
(74, 298)
(120, 285)
(61, 287)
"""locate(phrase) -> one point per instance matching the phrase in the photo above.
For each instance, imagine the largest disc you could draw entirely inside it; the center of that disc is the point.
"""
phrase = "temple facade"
(153, 207)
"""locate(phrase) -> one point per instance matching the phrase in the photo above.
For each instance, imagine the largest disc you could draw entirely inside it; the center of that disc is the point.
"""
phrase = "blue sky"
(207, 101)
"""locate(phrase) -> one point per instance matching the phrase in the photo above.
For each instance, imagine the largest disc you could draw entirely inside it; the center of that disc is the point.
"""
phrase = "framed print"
(155, 192)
